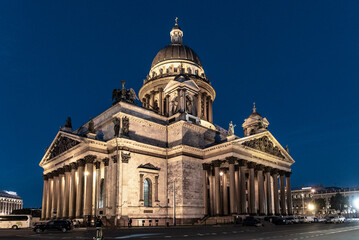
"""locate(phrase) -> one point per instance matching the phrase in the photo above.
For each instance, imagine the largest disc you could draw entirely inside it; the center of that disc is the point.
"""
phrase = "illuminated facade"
(305, 197)
(9, 201)
(130, 160)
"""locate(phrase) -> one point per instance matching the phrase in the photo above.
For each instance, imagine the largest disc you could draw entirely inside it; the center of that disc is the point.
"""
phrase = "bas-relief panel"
(61, 145)
(265, 145)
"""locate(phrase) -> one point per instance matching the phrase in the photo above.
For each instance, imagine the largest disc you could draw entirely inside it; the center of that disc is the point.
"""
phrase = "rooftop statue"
(91, 127)
(123, 94)
(231, 129)
(68, 123)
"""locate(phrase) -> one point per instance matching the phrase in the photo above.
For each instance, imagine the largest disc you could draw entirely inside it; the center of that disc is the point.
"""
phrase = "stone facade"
(142, 162)
(9, 201)
(303, 197)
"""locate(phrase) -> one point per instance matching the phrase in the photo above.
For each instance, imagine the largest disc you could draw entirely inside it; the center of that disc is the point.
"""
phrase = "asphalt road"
(320, 231)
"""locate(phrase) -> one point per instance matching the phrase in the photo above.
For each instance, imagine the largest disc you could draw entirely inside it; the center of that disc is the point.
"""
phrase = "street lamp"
(303, 202)
(356, 203)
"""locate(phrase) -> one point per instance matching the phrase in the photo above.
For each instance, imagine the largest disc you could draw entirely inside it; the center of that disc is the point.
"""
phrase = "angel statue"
(231, 129)
(123, 94)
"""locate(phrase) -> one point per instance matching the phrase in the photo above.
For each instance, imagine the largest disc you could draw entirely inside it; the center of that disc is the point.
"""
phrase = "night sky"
(298, 60)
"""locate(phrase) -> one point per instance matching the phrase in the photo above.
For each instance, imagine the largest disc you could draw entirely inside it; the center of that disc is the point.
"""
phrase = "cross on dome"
(254, 107)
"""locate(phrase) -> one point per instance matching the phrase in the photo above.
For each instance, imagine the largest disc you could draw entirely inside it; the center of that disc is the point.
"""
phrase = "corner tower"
(177, 82)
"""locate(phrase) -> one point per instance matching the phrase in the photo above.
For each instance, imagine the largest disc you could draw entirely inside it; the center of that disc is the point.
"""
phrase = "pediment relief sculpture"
(149, 166)
(61, 145)
(265, 145)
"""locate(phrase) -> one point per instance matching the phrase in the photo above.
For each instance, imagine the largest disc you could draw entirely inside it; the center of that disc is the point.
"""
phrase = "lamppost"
(303, 203)
(311, 196)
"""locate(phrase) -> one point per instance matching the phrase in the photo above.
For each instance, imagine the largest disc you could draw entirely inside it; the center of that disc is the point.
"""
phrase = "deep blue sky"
(298, 60)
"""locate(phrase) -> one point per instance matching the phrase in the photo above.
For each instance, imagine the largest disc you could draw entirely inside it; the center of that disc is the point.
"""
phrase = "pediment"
(267, 143)
(189, 84)
(149, 166)
(264, 144)
(63, 142)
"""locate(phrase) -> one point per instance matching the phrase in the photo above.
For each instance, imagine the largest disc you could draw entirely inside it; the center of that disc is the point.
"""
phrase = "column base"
(87, 220)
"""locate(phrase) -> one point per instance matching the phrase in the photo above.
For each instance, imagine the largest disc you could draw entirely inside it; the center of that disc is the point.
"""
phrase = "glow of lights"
(86, 173)
(311, 206)
(221, 173)
(356, 203)
(313, 190)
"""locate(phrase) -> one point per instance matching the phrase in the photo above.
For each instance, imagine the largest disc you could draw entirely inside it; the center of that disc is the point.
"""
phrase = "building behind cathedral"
(9, 201)
(142, 162)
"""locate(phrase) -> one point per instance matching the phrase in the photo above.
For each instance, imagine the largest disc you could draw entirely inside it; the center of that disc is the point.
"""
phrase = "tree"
(339, 202)
(319, 204)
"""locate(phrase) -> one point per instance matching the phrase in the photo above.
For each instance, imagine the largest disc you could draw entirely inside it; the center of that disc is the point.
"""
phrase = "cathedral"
(165, 162)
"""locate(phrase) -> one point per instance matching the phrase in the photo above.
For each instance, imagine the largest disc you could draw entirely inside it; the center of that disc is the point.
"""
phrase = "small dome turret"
(176, 34)
(255, 123)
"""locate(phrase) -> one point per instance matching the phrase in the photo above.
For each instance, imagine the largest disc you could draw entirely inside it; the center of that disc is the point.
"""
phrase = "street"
(344, 231)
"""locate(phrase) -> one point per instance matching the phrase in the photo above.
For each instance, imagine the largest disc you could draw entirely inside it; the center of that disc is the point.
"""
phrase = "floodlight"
(356, 203)
(311, 206)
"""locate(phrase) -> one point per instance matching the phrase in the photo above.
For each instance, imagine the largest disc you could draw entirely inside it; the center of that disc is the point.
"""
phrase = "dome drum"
(171, 65)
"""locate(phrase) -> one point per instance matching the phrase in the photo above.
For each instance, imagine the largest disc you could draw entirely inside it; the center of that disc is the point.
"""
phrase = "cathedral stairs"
(216, 220)
(108, 222)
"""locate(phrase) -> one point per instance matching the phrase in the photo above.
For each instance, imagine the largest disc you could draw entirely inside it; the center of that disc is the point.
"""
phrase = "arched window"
(147, 192)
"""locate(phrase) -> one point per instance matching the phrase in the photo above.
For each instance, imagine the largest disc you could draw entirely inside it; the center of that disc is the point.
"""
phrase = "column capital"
(268, 169)
(231, 159)
(61, 171)
(98, 165)
(223, 169)
(90, 158)
(242, 162)
(281, 172)
(274, 171)
(45, 177)
(81, 162)
(216, 163)
(73, 166)
(287, 174)
(67, 168)
(105, 161)
(114, 158)
(160, 89)
(55, 173)
(251, 164)
(206, 166)
(49, 175)
(259, 167)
